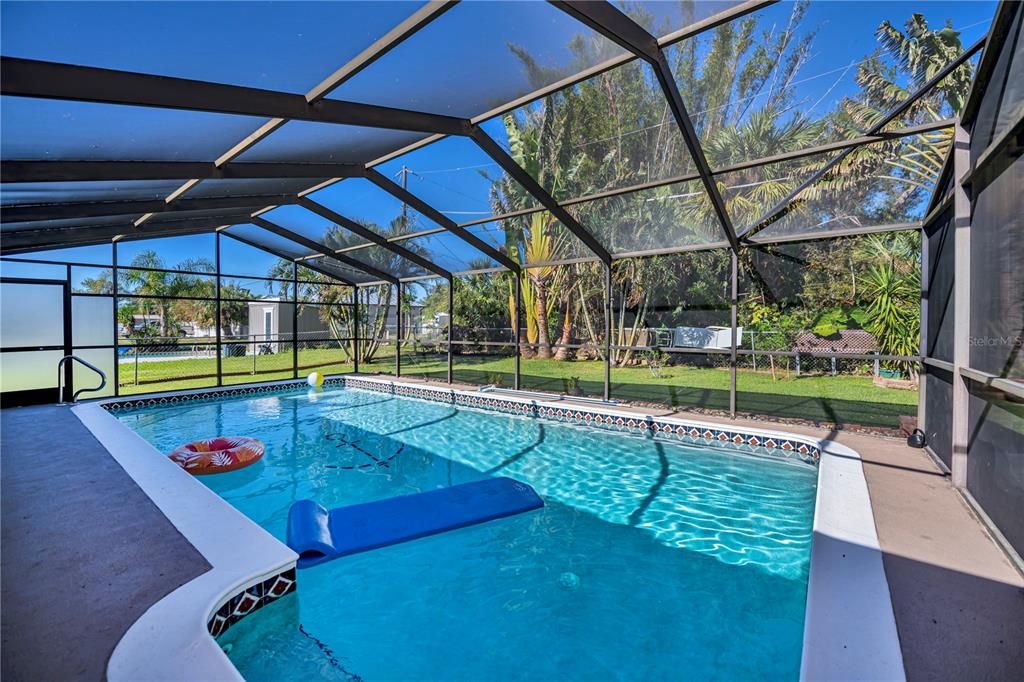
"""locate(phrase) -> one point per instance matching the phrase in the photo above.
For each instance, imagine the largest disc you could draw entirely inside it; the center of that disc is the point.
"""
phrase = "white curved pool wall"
(171, 639)
(849, 626)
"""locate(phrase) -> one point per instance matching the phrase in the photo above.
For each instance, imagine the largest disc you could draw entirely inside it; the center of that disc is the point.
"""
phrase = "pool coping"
(174, 633)
(849, 627)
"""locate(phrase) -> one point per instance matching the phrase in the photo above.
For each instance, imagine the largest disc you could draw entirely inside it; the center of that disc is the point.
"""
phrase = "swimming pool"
(652, 557)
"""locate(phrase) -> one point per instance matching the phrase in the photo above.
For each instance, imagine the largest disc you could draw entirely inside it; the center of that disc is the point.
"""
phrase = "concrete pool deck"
(85, 551)
(958, 602)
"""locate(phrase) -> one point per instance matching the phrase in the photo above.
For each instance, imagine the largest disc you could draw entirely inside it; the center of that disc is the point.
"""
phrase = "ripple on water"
(650, 559)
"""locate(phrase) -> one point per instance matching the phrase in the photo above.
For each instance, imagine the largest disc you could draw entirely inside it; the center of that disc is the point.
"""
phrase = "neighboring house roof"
(846, 341)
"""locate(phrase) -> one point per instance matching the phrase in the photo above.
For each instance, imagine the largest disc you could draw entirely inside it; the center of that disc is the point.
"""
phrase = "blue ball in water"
(569, 581)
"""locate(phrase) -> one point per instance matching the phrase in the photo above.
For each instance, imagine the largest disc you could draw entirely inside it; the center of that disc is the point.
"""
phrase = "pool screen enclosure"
(571, 204)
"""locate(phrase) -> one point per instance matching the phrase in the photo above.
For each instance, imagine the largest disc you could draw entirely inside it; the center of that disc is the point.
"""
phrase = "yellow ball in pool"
(315, 379)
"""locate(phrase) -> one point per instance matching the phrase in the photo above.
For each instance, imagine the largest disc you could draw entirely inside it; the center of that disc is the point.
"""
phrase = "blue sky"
(292, 46)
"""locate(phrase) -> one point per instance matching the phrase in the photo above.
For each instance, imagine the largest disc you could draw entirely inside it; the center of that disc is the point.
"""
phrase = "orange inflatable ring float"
(216, 455)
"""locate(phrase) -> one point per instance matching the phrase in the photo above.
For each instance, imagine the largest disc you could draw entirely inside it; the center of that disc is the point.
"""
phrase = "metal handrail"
(60, 378)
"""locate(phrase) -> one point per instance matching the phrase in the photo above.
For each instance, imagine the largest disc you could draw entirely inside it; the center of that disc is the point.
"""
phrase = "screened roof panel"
(879, 184)
(283, 247)
(790, 76)
(661, 18)
(169, 252)
(458, 179)
(185, 216)
(62, 192)
(384, 260)
(610, 131)
(312, 226)
(492, 233)
(241, 260)
(100, 254)
(479, 55)
(287, 46)
(451, 253)
(360, 200)
(794, 83)
(341, 270)
(85, 131)
(67, 223)
(934, 106)
(308, 142)
(250, 187)
(669, 216)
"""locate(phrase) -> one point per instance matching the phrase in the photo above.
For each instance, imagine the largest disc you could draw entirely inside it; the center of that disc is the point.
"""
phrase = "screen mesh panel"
(106, 190)
(81, 131)
(68, 223)
(997, 280)
(250, 187)
(191, 252)
(450, 252)
(308, 39)
(610, 131)
(991, 115)
(663, 18)
(362, 201)
(790, 76)
(939, 287)
(878, 184)
(535, 238)
(479, 55)
(343, 271)
(680, 214)
(995, 461)
(312, 226)
(280, 245)
(384, 260)
(939, 407)
(458, 179)
(100, 254)
(308, 141)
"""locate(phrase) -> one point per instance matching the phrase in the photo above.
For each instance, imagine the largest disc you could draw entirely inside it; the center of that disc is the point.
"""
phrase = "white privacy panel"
(103, 359)
(31, 315)
(92, 321)
(28, 370)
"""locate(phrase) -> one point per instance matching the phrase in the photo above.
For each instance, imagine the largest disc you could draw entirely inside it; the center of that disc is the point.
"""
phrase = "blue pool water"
(651, 558)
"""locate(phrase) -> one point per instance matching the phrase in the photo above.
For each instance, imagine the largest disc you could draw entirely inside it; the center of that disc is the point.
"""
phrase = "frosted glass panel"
(84, 377)
(92, 321)
(33, 369)
(31, 315)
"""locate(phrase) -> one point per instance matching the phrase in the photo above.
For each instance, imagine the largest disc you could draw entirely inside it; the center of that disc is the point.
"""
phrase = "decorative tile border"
(121, 404)
(704, 435)
(251, 599)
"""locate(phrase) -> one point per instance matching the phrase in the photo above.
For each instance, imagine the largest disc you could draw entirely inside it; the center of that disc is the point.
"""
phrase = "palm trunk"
(588, 323)
(562, 353)
(543, 340)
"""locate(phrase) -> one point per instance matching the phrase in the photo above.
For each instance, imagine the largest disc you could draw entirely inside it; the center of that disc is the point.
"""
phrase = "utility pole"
(405, 185)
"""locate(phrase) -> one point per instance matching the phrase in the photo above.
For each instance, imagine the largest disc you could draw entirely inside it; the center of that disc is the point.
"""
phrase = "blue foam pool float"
(319, 535)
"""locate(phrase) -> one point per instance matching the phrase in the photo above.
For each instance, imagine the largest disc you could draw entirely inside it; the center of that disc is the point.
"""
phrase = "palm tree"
(915, 57)
(151, 282)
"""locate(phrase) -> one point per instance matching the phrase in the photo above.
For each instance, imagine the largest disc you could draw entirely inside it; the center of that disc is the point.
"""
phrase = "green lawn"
(844, 399)
(178, 374)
